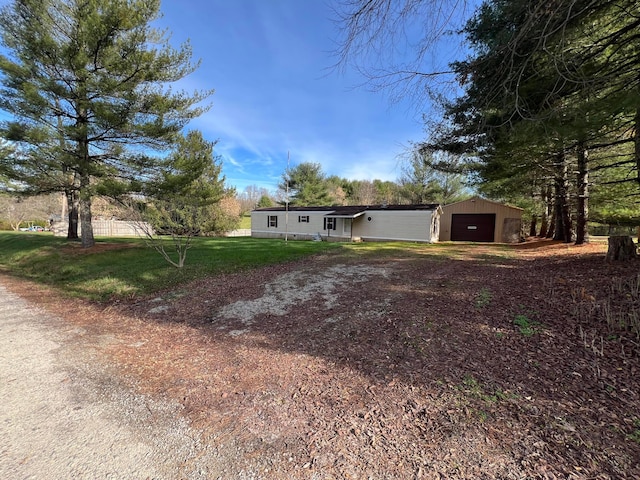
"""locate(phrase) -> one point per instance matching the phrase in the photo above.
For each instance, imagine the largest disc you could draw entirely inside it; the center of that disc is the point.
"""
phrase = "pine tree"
(85, 84)
(307, 185)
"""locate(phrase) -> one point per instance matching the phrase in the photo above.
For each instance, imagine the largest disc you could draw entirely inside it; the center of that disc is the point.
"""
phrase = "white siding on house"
(410, 225)
(296, 229)
(402, 223)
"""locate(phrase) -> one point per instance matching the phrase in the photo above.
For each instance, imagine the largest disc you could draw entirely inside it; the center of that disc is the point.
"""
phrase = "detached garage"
(480, 220)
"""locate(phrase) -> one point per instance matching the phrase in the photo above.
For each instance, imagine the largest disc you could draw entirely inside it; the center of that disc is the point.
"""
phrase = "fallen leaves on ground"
(491, 363)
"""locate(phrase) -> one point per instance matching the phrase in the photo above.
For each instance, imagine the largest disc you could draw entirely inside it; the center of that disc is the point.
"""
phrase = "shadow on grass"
(440, 329)
(124, 268)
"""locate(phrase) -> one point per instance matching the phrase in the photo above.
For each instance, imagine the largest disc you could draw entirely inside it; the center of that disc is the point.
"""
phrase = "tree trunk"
(582, 235)
(558, 231)
(566, 215)
(552, 225)
(621, 248)
(72, 214)
(71, 195)
(563, 230)
(636, 142)
(544, 223)
(84, 164)
(534, 226)
(544, 226)
(86, 230)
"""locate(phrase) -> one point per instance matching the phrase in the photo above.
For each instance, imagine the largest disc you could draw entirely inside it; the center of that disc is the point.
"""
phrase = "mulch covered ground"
(489, 362)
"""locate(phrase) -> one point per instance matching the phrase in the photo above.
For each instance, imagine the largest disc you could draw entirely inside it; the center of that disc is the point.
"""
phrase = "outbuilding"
(481, 220)
(413, 223)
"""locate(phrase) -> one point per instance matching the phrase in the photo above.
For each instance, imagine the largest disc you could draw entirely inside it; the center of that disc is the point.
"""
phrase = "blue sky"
(269, 63)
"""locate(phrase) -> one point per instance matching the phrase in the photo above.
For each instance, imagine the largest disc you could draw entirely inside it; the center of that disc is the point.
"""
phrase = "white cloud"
(267, 63)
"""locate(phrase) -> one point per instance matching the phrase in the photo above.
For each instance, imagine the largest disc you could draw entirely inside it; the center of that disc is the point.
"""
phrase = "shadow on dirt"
(476, 344)
(473, 361)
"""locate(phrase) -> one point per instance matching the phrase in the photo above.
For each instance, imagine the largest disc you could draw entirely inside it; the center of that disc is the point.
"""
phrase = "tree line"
(306, 184)
(545, 111)
(303, 185)
(546, 105)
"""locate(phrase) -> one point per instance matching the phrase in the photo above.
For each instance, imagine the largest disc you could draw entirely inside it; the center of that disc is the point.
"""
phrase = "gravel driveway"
(64, 414)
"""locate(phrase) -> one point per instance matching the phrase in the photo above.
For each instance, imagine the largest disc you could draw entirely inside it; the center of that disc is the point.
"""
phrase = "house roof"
(347, 212)
(350, 211)
(476, 198)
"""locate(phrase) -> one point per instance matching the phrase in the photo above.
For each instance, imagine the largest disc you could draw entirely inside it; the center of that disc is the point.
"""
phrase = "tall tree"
(86, 85)
(339, 189)
(387, 192)
(250, 197)
(426, 180)
(223, 216)
(265, 201)
(548, 82)
(364, 192)
(554, 77)
(418, 181)
(307, 185)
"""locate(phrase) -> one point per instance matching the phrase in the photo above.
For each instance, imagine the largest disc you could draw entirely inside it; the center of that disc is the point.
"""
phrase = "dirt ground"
(486, 364)
(53, 422)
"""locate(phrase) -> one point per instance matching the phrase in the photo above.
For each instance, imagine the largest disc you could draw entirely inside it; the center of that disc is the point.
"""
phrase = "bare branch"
(401, 47)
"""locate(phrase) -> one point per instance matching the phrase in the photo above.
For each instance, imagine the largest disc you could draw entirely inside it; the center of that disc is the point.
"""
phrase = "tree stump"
(621, 248)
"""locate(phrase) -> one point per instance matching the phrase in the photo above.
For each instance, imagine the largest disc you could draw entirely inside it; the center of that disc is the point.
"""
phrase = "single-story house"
(413, 223)
(480, 220)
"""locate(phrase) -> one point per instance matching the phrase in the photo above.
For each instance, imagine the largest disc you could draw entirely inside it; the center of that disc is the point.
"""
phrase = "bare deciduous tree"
(18, 210)
(250, 197)
(403, 47)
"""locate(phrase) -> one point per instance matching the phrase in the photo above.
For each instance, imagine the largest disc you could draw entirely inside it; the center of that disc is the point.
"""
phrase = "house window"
(303, 218)
(329, 223)
(272, 221)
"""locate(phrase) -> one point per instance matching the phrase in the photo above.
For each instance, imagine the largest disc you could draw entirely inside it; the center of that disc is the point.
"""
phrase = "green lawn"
(135, 269)
(245, 221)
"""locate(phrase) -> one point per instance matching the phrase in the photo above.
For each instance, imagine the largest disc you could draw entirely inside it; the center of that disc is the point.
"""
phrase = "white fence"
(120, 228)
(242, 232)
(104, 228)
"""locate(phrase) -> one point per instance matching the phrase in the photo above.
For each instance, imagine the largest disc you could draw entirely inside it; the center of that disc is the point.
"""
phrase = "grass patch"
(472, 387)
(245, 222)
(475, 389)
(527, 326)
(402, 250)
(124, 268)
(483, 298)
(635, 435)
(479, 398)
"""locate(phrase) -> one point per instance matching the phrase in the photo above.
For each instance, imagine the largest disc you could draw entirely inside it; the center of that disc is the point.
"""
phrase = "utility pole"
(286, 203)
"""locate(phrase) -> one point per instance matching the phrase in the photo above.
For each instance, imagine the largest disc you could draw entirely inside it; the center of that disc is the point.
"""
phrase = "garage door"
(473, 227)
